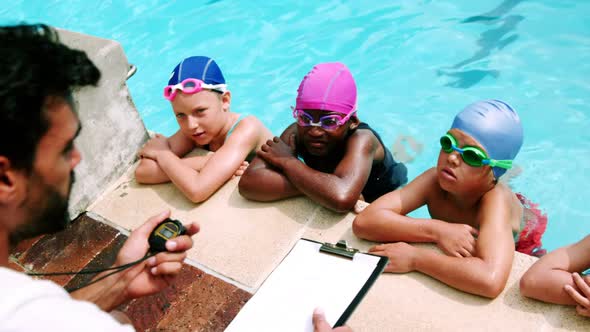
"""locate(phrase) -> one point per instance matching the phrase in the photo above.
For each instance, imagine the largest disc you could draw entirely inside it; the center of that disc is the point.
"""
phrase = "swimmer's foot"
(400, 152)
(511, 174)
(415, 145)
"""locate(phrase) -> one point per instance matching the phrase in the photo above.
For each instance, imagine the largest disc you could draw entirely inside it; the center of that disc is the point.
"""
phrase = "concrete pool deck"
(242, 242)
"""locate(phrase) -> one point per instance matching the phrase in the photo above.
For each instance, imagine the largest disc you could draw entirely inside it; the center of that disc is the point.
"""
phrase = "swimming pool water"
(416, 63)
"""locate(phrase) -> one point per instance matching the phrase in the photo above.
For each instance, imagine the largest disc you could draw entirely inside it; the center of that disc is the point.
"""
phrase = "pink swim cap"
(328, 86)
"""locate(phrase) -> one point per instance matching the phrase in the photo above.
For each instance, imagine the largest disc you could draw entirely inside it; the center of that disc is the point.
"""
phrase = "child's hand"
(275, 151)
(241, 169)
(456, 239)
(583, 296)
(151, 149)
(401, 256)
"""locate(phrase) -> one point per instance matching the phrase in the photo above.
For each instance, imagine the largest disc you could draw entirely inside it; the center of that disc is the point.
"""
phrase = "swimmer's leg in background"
(400, 151)
(511, 174)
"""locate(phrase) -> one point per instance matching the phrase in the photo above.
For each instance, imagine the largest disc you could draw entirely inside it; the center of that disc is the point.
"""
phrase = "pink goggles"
(191, 86)
(328, 122)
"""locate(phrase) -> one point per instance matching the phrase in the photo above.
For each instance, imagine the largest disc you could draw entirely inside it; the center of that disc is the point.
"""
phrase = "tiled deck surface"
(196, 301)
(240, 244)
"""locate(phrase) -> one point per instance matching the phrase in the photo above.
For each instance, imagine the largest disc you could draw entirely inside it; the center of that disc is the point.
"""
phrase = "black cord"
(120, 267)
(70, 290)
(115, 269)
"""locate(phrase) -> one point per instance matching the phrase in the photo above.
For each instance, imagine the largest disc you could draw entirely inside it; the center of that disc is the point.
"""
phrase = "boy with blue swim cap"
(496, 126)
(473, 215)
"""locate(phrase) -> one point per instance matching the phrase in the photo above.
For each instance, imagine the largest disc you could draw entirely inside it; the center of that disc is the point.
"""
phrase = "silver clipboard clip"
(341, 249)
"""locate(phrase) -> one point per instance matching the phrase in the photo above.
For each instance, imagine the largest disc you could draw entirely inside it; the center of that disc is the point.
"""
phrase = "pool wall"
(112, 130)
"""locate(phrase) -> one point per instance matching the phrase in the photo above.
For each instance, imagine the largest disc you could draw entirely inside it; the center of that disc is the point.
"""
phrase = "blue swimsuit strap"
(233, 126)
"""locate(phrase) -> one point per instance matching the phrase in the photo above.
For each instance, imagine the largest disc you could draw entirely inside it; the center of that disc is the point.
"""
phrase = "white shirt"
(40, 305)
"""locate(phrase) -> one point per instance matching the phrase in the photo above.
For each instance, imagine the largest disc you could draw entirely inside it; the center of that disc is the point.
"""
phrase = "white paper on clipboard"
(307, 279)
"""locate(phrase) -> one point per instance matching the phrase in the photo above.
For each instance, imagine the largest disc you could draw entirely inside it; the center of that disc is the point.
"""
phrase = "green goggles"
(472, 155)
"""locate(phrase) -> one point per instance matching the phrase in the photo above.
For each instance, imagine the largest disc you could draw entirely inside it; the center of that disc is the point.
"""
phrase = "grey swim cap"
(496, 126)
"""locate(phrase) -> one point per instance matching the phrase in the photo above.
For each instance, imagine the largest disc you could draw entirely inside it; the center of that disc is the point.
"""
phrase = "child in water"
(328, 154)
(475, 218)
(558, 277)
(201, 103)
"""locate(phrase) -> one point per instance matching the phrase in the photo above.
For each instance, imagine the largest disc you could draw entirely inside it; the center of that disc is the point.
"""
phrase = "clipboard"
(313, 274)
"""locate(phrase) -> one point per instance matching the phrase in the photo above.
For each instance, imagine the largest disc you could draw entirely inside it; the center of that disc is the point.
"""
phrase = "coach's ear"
(9, 179)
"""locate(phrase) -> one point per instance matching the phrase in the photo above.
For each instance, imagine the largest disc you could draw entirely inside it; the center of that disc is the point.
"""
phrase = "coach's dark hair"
(34, 65)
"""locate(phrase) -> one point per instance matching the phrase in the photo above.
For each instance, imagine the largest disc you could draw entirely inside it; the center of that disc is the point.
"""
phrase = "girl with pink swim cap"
(327, 154)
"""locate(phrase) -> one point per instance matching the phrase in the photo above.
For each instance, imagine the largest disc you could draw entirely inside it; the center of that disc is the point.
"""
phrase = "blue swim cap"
(199, 67)
(496, 126)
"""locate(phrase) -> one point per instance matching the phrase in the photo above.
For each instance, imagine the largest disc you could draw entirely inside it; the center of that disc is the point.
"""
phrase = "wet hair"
(34, 66)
